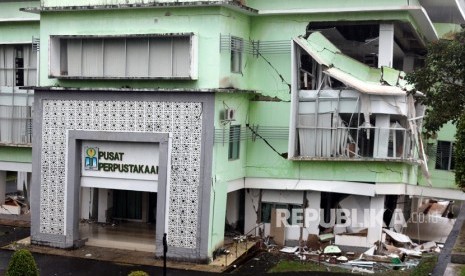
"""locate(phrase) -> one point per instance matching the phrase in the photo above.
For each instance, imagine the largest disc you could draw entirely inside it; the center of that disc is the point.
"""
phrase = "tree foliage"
(442, 80)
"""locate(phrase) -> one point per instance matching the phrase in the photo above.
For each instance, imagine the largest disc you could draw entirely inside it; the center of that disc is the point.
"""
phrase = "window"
(15, 124)
(234, 142)
(445, 156)
(136, 56)
(18, 65)
(237, 47)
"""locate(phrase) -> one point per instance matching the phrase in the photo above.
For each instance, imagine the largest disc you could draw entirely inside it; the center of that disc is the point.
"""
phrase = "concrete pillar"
(374, 220)
(2, 186)
(381, 136)
(386, 45)
(314, 201)
(251, 219)
(21, 181)
(408, 63)
(145, 207)
(102, 205)
(28, 187)
(86, 202)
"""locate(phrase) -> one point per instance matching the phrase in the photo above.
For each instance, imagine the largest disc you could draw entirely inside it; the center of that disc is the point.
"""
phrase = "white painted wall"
(276, 196)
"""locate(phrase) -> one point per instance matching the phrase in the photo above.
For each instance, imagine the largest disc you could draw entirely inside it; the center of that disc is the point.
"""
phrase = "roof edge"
(230, 4)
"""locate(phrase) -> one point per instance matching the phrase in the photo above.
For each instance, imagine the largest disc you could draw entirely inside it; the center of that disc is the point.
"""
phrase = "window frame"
(55, 63)
(237, 48)
(449, 156)
(234, 146)
(23, 70)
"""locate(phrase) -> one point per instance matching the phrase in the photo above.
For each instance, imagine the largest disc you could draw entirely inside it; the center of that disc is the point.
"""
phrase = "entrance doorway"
(118, 218)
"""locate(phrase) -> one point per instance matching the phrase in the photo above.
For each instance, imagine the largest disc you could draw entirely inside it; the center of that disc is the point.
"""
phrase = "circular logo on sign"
(90, 152)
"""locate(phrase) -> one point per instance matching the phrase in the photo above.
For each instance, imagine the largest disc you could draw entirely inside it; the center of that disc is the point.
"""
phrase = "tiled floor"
(125, 235)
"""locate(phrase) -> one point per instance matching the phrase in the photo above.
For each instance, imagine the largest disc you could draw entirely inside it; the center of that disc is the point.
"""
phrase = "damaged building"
(206, 119)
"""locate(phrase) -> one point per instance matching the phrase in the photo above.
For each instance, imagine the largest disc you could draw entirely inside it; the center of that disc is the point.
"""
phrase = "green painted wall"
(441, 178)
(18, 32)
(205, 22)
(10, 10)
(16, 154)
(225, 170)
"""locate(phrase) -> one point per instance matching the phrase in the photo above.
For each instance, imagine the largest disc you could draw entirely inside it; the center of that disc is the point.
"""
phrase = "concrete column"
(251, 219)
(375, 219)
(21, 181)
(408, 63)
(381, 136)
(102, 205)
(2, 186)
(314, 201)
(145, 207)
(28, 187)
(386, 45)
(86, 202)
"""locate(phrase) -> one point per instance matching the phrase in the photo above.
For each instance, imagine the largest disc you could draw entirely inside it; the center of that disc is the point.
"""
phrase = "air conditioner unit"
(229, 114)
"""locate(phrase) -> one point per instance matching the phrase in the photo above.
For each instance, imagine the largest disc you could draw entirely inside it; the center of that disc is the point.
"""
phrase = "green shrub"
(138, 273)
(22, 264)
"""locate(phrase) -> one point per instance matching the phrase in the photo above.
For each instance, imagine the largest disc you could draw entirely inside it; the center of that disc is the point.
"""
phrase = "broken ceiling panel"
(366, 79)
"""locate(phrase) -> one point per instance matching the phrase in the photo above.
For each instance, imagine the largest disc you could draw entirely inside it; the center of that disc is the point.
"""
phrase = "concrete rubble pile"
(396, 251)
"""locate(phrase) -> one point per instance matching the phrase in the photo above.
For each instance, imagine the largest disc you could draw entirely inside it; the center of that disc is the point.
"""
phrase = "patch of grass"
(293, 266)
(459, 249)
(287, 266)
(462, 271)
(426, 265)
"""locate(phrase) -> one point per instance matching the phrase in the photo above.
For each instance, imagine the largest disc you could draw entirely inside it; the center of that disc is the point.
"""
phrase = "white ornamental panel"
(182, 119)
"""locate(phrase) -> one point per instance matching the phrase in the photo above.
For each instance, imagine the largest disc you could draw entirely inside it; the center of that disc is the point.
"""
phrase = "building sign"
(120, 160)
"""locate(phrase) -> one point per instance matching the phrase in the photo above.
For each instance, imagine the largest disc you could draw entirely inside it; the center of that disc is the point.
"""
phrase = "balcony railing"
(15, 125)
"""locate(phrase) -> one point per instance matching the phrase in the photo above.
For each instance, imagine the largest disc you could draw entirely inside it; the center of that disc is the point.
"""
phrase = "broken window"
(445, 156)
(144, 56)
(234, 142)
(343, 109)
(237, 47)
(18, 65)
